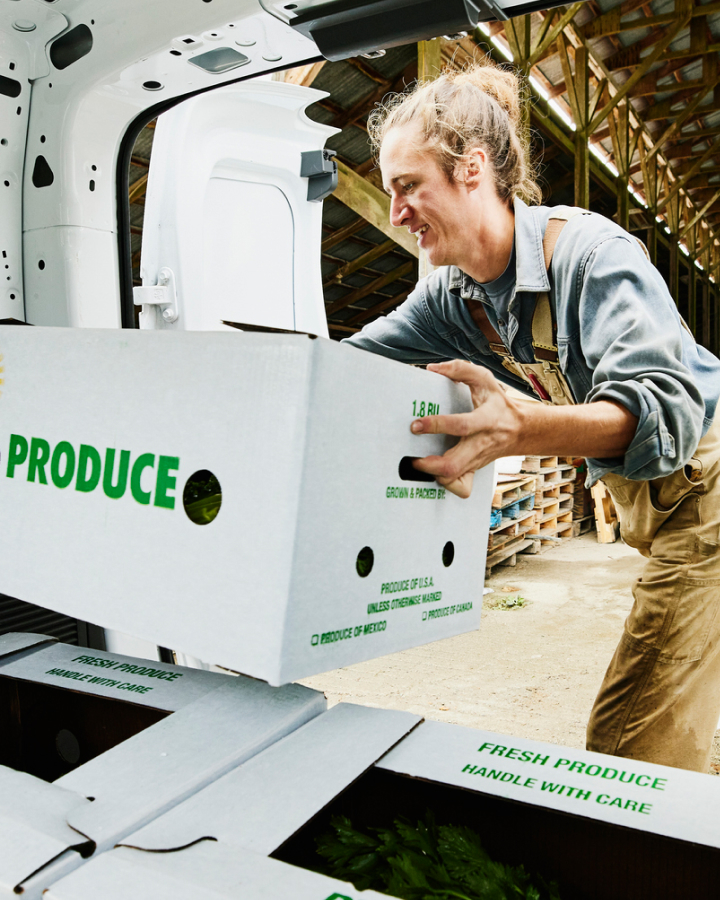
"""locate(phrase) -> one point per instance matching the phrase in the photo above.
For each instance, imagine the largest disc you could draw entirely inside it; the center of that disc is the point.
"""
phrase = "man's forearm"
(599, 430)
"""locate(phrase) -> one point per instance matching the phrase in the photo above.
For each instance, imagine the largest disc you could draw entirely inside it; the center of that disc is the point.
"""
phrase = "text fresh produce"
(87, 468)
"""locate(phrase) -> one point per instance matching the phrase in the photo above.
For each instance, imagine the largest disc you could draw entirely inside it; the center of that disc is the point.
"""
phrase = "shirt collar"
(531, 274)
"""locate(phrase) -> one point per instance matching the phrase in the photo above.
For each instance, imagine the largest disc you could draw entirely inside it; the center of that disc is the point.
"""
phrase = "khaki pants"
(660, 699)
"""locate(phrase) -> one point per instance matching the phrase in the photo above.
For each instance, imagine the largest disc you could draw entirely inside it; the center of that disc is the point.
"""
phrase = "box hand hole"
(408, 472)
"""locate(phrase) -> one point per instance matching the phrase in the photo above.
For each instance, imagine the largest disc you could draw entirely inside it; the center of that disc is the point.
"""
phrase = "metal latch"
(162, 295)
(321, 170)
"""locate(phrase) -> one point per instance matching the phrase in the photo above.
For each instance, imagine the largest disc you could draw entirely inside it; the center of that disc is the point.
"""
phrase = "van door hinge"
(321, 169)
(161, 295)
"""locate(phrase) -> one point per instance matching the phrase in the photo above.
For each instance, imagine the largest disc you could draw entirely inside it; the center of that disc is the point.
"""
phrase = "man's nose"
(399, 212)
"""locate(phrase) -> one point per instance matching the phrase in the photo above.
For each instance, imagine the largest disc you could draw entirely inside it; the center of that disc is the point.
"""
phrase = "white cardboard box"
(217, 722)
(305, 437)
(282, 788)
(606, 828)
(209, 870)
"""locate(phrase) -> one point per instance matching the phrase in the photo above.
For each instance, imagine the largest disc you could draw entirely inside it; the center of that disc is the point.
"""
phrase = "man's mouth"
(421, 230)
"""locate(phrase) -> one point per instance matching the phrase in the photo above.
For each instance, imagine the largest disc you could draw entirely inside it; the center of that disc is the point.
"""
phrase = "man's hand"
(486, 433)
(500, 426)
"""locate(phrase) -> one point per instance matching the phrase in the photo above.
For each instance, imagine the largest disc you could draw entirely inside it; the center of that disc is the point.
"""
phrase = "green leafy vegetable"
(424, 862)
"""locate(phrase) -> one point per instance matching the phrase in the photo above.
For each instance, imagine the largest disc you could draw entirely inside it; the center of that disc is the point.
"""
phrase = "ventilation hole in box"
(408, 472)
(152, 85)
(12, 67)
(175, 53)
(4, 142)
(71, 47)
(448, 554)
(41, 264)
(94, 168)
(9, 87)
(67, 746)
(19, 110)
(92, 184)
(202, 497)
(6, 183)
(42, 138)
(364, 562)
(42, 173)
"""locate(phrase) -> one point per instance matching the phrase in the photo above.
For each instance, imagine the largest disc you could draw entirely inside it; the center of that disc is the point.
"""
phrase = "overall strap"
(544, 326)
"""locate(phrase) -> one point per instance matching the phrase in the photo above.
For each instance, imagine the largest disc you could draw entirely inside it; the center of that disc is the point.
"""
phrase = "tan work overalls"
(660, 698)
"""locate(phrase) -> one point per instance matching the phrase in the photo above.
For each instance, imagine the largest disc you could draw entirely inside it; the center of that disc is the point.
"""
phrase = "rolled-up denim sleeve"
(408, 334)
(631, 337)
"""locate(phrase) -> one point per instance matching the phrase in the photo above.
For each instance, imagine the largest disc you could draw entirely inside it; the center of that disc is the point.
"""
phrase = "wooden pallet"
(606, 519)
(538, 463)
(510, 528)
(508, 492)
(507, 554)
(583, 525)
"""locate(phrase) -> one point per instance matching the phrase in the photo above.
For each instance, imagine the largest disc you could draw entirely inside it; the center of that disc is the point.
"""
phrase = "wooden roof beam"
(689, 110)
(379, 308)
(360, 262)
(372, 204)
(304, 75)
(641, 70)
(375, 285)
(341, 234)
(688, 175)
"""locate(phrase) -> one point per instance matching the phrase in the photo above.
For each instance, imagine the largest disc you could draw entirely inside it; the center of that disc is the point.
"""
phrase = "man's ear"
(471, 170)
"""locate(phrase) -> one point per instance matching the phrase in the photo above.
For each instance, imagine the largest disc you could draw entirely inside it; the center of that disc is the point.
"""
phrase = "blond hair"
(478, 106)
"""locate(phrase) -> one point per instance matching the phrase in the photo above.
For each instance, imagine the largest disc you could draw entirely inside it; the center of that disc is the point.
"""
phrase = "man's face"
(423, 200)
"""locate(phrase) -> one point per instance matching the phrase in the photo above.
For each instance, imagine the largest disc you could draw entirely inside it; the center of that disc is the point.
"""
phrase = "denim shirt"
(619, 335)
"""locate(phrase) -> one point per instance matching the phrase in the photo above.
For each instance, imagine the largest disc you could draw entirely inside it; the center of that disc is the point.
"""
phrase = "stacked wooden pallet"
(583, 513)
(554, 499)
(513, 516)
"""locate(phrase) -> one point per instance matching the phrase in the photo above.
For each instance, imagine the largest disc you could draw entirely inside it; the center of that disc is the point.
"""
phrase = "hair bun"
(500, 84)
(479, 106)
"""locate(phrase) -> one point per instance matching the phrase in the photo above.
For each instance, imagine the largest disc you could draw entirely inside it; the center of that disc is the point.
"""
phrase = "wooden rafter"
(372, 204)
(137, 189)
(304, 75)
(378, 308)
(641, 70)
(363, 260)
(699, 214)
(377, 284)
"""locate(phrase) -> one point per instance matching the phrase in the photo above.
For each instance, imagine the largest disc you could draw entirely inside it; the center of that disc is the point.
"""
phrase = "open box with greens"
(94, 744)
(581, 825)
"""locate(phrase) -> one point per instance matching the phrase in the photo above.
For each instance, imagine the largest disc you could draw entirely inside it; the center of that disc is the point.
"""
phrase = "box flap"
(263, 802)
(631, 793)
(163, 765)
(15, 642)
(143, 682)
(209, 870)
(33, 825)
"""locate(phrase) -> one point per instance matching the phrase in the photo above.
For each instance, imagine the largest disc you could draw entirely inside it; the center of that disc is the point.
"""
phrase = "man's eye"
(409, 186)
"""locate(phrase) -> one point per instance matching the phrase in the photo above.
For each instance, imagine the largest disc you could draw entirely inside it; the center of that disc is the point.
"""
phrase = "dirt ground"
(534, 666)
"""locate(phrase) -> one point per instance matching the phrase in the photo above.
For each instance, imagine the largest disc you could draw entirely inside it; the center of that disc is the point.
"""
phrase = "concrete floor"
(531, 670)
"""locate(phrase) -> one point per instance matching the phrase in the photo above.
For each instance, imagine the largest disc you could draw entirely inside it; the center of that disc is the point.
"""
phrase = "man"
(565, 305)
